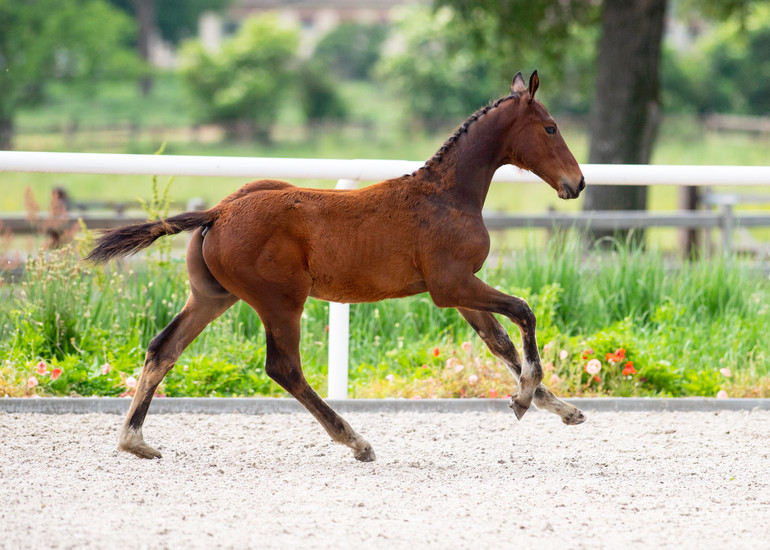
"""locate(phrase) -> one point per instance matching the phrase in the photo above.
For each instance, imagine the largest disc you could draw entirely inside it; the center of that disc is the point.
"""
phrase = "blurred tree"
(431, 67)
(78, 41)
(243, 84)
(173, 19)
(318, 94)
(626, 109)
(351, 50)
(727, 70)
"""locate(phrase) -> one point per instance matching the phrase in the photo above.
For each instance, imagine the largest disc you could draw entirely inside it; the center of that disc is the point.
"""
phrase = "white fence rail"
(349, 173)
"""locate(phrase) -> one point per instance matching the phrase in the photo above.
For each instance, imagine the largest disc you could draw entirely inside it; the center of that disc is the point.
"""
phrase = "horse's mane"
(463, 128)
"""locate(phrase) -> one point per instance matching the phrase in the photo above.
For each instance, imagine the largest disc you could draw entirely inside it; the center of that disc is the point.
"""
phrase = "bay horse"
(272, 245)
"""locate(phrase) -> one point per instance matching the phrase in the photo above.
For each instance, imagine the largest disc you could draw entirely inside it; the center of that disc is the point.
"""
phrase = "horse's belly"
(366, 281)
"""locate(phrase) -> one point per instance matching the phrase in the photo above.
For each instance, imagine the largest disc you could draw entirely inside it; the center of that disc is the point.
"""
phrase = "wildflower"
(726, 372)
(722, 394)
(548, 366)
(390, 378)
(465, 346)
(547, 347)
(493, 394)
(130, 382)
(55, 373)
(563, 354)
(593, 366)
(436, 352)
(587, 353)
(459, 367)
(472, 379)
(42, 368)
(616, 357)
(555, 379)
(629, 369)
(105, 368)
(32, 382)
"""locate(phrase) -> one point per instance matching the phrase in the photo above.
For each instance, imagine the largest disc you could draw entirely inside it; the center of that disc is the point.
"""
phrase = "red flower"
(493, 394)
(55, 373)
(629, 369)
(436, 352)
(587, 353)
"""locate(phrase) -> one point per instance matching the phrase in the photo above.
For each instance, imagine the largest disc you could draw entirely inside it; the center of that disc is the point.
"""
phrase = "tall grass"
(685, 328)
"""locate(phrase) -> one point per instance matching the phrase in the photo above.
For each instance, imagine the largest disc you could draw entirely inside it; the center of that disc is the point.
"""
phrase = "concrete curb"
(220, 405)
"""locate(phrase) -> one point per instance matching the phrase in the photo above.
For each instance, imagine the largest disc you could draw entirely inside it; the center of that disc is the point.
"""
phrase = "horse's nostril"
(582, 184)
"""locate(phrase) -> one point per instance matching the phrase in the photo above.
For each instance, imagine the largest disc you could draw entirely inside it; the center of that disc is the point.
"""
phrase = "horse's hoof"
(574, 418)
(142, 450)
(367, 455)
(518, 408)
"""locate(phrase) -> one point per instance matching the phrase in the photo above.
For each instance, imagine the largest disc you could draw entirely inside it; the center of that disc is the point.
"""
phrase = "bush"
(244, 83)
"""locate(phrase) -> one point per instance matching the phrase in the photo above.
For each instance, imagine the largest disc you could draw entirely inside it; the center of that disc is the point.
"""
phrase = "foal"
(272, 245)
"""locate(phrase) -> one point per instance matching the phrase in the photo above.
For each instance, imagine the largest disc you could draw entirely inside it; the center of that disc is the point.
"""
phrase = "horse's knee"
(522, 315)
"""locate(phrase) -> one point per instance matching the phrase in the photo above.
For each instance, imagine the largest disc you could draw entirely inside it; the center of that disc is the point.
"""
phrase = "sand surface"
(441, 480)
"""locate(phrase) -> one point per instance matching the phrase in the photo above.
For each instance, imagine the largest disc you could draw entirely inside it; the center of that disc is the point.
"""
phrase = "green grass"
(681, 325)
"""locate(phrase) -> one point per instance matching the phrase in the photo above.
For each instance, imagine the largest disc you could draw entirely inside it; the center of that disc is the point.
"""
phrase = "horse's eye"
(550, 129)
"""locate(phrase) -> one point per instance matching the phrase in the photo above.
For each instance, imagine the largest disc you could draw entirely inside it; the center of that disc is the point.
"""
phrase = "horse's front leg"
(499, 343)
(455, 289)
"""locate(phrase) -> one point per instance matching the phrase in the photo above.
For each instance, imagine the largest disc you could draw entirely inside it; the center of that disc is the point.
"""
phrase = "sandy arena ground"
(441, 480)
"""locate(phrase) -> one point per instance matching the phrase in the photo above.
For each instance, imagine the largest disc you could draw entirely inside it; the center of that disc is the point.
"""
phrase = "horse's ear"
(534, 82)
(517, 86)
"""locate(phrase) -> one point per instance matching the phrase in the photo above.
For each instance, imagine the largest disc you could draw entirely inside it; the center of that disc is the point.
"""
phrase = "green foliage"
(78, 41)
(319, 94)
(246, 80)
(175, 19)
(435, 72)
(351, 50)
(726, 71)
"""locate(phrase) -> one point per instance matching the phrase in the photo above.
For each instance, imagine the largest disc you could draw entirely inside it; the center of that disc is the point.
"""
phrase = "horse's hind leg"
(499, 343)
(207, 301)
(162, 354)
(282, 328)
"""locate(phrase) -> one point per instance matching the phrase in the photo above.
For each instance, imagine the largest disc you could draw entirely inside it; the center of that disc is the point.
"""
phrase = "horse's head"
(537, 145)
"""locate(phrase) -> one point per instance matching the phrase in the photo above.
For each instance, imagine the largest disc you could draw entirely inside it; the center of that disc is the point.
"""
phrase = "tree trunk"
(145, 18)
(6, 133)
(626, 109)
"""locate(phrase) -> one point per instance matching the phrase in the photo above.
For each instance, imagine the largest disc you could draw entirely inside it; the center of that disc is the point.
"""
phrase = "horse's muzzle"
(571, 192)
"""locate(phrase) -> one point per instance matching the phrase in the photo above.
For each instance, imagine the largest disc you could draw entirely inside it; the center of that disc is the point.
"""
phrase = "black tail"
(130, 239)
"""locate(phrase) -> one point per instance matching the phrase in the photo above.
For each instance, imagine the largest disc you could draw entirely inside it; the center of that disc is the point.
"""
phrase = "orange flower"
(436, 352)
(629, 369)
(55, 373)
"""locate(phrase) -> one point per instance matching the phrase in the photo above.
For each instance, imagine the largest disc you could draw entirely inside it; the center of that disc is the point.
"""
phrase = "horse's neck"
(474, 158)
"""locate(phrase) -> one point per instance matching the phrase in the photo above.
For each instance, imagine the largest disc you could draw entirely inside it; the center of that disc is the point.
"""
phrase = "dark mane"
(438, 156)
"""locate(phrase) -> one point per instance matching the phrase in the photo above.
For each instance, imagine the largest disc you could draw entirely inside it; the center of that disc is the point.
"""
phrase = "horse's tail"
(130, 239)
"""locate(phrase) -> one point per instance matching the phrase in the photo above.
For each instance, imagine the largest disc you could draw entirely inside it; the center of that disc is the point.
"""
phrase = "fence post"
(339, 335)
(727, 223)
